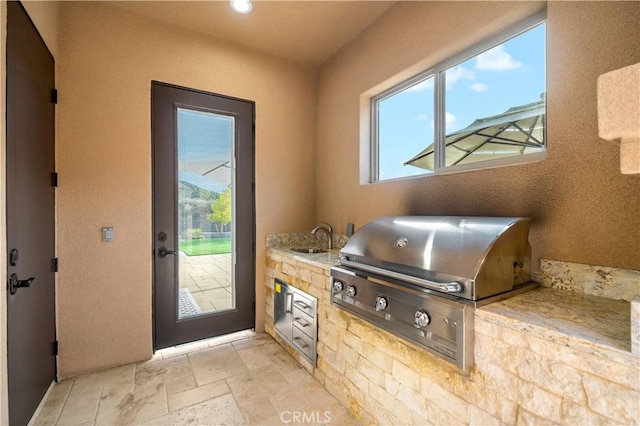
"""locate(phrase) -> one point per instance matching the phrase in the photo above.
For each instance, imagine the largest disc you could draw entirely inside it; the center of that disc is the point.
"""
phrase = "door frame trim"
(153, 191)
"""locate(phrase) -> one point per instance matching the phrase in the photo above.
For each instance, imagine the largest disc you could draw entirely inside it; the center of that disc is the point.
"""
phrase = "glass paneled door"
(205, 212)
(204, 279)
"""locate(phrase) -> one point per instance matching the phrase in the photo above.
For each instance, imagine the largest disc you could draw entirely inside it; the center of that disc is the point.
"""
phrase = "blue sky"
(205, 141)
(508, 75)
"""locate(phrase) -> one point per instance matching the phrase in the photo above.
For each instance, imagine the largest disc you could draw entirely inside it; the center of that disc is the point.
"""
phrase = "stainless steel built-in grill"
(421, 277)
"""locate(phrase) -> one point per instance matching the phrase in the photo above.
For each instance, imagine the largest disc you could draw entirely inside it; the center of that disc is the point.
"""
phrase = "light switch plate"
(107, 234)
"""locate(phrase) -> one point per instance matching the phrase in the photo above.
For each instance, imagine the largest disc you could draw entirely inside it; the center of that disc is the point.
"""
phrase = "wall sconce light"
(241, 6)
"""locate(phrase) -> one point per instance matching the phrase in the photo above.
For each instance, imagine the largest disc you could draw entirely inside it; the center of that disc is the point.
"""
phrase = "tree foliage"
(221, 209)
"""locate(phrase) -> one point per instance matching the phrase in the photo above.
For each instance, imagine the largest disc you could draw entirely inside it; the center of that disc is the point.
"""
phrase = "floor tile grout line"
(135, 373)
(166, 395)
(236, 400)
(95, 415)
(64, 402)
(195, 380)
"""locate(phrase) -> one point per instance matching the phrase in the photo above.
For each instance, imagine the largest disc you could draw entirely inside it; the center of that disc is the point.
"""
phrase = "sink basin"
(308, 250)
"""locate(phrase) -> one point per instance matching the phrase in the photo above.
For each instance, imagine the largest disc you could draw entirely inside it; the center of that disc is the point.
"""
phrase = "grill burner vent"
(421, 277)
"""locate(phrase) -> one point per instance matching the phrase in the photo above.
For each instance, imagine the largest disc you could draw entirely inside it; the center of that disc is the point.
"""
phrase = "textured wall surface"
(528, 369)
(107, 60)
(583, 210)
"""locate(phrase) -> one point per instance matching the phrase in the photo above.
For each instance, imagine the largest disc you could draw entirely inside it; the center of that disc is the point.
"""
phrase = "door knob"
(163, 252)
(15, 283)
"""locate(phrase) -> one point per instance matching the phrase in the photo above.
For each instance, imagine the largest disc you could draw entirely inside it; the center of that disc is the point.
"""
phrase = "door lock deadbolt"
(13, 257)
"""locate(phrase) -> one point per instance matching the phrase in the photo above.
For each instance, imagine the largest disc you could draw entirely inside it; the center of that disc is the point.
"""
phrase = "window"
(483, 108)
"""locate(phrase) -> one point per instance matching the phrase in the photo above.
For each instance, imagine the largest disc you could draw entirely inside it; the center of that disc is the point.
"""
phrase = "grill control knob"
(381, 303)
(351, 291)
(337, 286)
(421, 319)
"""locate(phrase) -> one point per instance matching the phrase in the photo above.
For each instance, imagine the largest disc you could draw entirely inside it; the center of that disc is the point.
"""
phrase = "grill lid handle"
(450, 287)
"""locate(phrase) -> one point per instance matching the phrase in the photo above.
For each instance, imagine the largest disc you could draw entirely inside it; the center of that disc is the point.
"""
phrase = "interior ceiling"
(306, 32)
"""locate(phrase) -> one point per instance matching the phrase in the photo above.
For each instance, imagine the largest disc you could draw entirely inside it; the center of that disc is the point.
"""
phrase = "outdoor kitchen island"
(545, 356)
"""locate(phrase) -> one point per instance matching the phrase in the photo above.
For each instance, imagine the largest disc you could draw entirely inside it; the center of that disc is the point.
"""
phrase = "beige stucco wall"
(583, 210)
(44, 15)
(108, 58)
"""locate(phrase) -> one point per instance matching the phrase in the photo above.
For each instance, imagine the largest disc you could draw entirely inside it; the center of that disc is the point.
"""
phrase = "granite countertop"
(323, 260)
(283, 243)
(589, 323)
(584, 320)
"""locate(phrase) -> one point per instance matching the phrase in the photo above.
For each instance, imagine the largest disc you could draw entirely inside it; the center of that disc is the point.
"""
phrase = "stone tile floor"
(208, 278)
(244, 378)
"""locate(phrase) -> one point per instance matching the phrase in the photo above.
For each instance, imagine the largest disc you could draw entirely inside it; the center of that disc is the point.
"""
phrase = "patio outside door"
(204, 226)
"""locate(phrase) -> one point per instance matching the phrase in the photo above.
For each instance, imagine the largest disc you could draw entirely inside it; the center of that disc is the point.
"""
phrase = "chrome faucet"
(327, 229)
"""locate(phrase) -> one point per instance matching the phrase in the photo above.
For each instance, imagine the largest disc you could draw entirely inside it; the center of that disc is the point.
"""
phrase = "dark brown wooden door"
(30, 215)
(203, 214)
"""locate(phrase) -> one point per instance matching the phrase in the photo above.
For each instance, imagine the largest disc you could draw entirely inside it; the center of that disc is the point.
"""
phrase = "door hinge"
(54, 264)
(54, 347)
(54, 96)
(54, 180)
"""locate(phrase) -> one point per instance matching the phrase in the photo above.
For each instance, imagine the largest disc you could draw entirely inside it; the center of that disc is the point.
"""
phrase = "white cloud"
(422, 117)
(479, 87)
(449, 118)
(423, 85)
(497, 59)
(459, 73)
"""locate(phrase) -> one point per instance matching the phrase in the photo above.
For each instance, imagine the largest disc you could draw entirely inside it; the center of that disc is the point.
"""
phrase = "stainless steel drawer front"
(304, 322)
(303, 343)
(305, 304)
(295, 316)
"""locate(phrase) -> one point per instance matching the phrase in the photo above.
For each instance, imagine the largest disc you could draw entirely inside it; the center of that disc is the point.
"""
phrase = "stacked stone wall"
(519, 377)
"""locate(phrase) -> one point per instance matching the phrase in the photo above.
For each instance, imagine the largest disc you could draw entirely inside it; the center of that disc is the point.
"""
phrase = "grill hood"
(469, 257)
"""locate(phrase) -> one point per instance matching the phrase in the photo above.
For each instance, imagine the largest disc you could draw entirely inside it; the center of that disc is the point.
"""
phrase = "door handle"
(301, 321)
(302, 344)
(15, 283)
(301, 304)
(288, 297)
(163, 252)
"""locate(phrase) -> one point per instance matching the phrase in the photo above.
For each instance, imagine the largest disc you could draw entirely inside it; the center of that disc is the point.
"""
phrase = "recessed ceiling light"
(241, 6)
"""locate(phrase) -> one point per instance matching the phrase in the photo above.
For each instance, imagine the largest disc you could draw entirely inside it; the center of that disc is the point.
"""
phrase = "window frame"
(438, 72)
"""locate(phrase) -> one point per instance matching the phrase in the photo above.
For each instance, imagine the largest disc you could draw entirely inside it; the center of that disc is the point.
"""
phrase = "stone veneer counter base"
(546, 356)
